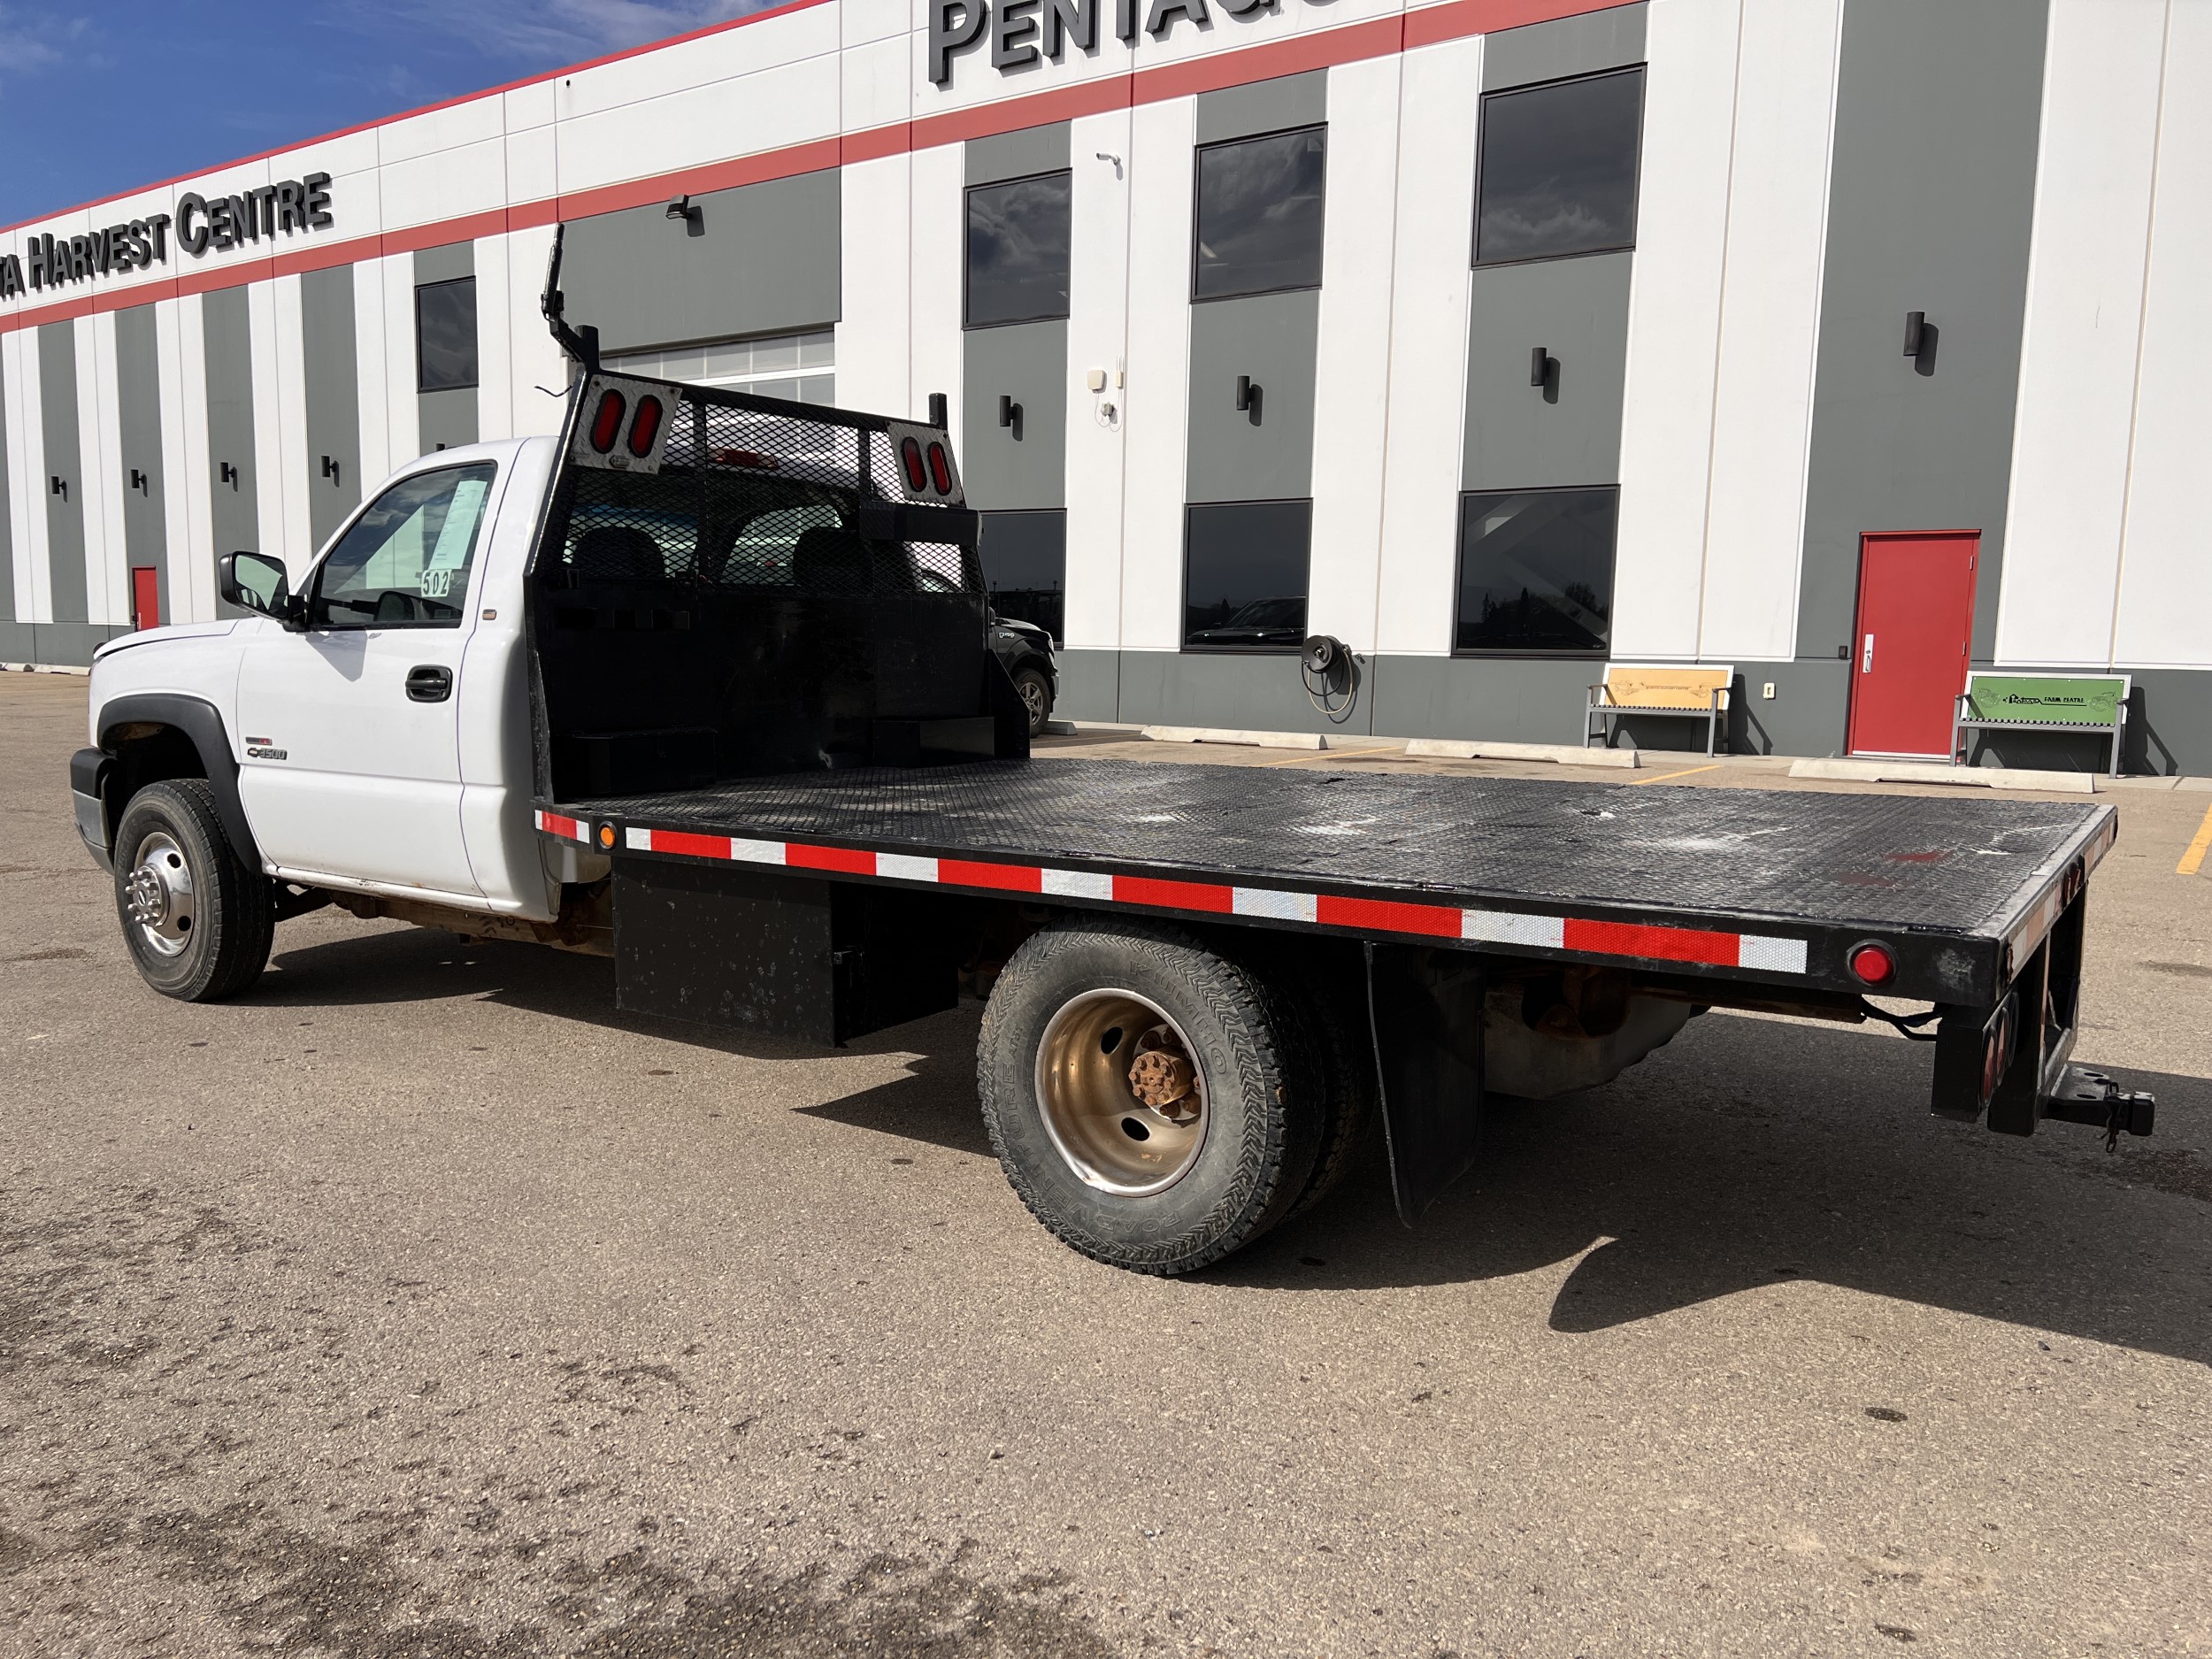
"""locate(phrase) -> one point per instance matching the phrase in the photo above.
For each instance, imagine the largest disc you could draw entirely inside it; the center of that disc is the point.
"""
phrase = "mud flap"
(1425, 1009)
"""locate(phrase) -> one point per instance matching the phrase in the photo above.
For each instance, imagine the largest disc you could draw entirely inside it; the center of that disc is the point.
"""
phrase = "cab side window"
(405, 562)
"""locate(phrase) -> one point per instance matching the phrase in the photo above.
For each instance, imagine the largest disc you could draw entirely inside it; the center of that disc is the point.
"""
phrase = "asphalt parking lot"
(420, 1304)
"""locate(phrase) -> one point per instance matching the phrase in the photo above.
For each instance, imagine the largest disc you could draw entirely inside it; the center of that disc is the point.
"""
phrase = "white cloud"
(545, 33)
(30, 42)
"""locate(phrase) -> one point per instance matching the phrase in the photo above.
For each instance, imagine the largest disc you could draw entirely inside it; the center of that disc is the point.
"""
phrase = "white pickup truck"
(705, 685)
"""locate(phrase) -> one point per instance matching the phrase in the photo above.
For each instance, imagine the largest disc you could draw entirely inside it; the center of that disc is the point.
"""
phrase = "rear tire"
(1074, 1012)
(197, 921)
(1333, 1006)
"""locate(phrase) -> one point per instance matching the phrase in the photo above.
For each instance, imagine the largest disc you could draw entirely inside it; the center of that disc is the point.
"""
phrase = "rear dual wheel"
(1155, 1104)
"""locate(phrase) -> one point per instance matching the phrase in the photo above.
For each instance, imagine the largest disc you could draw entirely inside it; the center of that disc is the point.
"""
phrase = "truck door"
(351, 729)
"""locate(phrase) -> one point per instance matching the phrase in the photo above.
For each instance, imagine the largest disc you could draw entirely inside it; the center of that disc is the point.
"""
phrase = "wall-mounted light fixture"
(55, 484)
(330, 468)
(1541, 366)
(1010, 412)
(1915, 332)
(229, 474)
(1248, 393)
(939, 411)
(682, 207)
(139, 481)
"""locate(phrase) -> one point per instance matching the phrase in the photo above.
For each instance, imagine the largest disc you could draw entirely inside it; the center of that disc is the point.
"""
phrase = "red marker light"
(646, 428)
(606, 424)
(910, 458)
(941, 469)
(1874, 964)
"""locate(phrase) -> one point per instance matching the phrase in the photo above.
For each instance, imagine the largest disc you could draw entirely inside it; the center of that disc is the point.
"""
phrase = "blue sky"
(95, 99)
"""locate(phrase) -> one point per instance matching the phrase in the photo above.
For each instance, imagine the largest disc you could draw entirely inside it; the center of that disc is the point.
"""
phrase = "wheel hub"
(1122, 1095)
(158, 895)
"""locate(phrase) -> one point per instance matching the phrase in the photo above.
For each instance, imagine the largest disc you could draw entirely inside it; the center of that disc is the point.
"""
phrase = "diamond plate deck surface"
(1894, 861)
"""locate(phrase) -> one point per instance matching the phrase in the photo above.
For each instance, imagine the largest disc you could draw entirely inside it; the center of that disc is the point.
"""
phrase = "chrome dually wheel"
(158, 895)
(1122, 1095)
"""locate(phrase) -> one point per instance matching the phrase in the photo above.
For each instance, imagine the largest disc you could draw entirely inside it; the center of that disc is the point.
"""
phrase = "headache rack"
(728, 585)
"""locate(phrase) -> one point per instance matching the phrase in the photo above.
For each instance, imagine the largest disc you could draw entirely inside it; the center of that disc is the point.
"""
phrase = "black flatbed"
(1962, 889)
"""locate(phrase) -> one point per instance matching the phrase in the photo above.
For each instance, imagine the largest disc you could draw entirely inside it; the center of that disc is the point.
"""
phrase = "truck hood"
(174, 631)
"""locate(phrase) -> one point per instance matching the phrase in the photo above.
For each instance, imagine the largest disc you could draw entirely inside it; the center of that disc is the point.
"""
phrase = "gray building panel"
(65, 507)
(1264, 453)
(1582, 45)
(1568, 431)
(1931, 201)
(1264, 106)
(448, 420)
(333, 402)
(234, 499)
(1017, 155)
(761, 259)
(447, 263)
(138, 408)
(1024, 465)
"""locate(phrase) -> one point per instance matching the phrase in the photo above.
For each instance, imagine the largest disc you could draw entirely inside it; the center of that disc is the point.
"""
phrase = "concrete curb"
(1225, 734)
(1933, 771)
(1561, 754)
(42, 668)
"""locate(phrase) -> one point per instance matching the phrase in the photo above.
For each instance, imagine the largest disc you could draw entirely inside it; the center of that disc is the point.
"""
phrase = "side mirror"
(254, 581)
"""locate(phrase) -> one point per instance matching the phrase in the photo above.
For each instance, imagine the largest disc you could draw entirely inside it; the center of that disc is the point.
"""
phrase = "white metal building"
(1500, 338)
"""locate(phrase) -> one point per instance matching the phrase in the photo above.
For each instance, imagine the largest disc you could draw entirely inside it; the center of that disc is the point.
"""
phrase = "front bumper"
(88, 778)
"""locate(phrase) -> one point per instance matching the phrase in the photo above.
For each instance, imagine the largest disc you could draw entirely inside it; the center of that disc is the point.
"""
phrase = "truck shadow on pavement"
(1752, 1153)
(1745, 1154)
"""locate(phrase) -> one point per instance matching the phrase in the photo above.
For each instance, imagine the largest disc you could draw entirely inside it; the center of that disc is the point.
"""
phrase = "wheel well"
(145, 752)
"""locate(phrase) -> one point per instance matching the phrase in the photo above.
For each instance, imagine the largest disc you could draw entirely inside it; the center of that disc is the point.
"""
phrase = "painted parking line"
(1685, 773)
(2192, 860)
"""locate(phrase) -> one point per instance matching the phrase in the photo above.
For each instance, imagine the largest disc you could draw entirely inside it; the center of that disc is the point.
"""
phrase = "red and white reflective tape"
(1642, 942)
(568, 829)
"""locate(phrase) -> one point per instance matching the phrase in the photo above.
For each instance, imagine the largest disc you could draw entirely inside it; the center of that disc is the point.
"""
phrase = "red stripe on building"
(845, 860)
(689, 845)
(962, 872)
(1653, 944)
(1175, 895)
(1387, 916)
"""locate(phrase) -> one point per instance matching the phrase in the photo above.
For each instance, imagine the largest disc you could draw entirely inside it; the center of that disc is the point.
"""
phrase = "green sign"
(2088, 700)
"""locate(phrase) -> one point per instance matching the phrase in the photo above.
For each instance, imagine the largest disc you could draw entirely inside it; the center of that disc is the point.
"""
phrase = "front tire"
(1142, 1096)
(197, 921)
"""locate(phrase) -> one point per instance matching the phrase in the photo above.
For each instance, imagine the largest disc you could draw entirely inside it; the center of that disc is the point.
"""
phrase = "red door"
(1915, 622)
(145, 596)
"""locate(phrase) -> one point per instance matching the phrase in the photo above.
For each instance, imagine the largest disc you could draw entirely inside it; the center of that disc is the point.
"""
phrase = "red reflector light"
(646, 428)
(941, 469)
(910, 457)
(1874, 964)
(606, 424)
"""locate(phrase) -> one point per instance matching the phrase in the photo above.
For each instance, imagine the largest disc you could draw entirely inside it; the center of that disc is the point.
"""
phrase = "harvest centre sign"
(199, 223)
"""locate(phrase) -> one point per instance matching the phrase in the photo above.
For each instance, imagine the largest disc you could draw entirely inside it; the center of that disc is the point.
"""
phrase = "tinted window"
(445, 336)
(1017, 250)
(405, 562)
(1559, 169)
(1536, 570)
(1024, 567)
(1259, 214)
(1244, 576)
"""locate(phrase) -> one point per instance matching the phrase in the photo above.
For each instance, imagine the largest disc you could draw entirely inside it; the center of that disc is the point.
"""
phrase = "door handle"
(429, 683)
(1866, 663)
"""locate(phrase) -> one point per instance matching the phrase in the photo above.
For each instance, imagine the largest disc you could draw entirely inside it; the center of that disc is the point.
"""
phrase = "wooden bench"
(1696, 693)
(2041, 702)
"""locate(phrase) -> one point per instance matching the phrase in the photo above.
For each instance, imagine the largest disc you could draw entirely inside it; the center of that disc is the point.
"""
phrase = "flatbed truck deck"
(714, 672)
